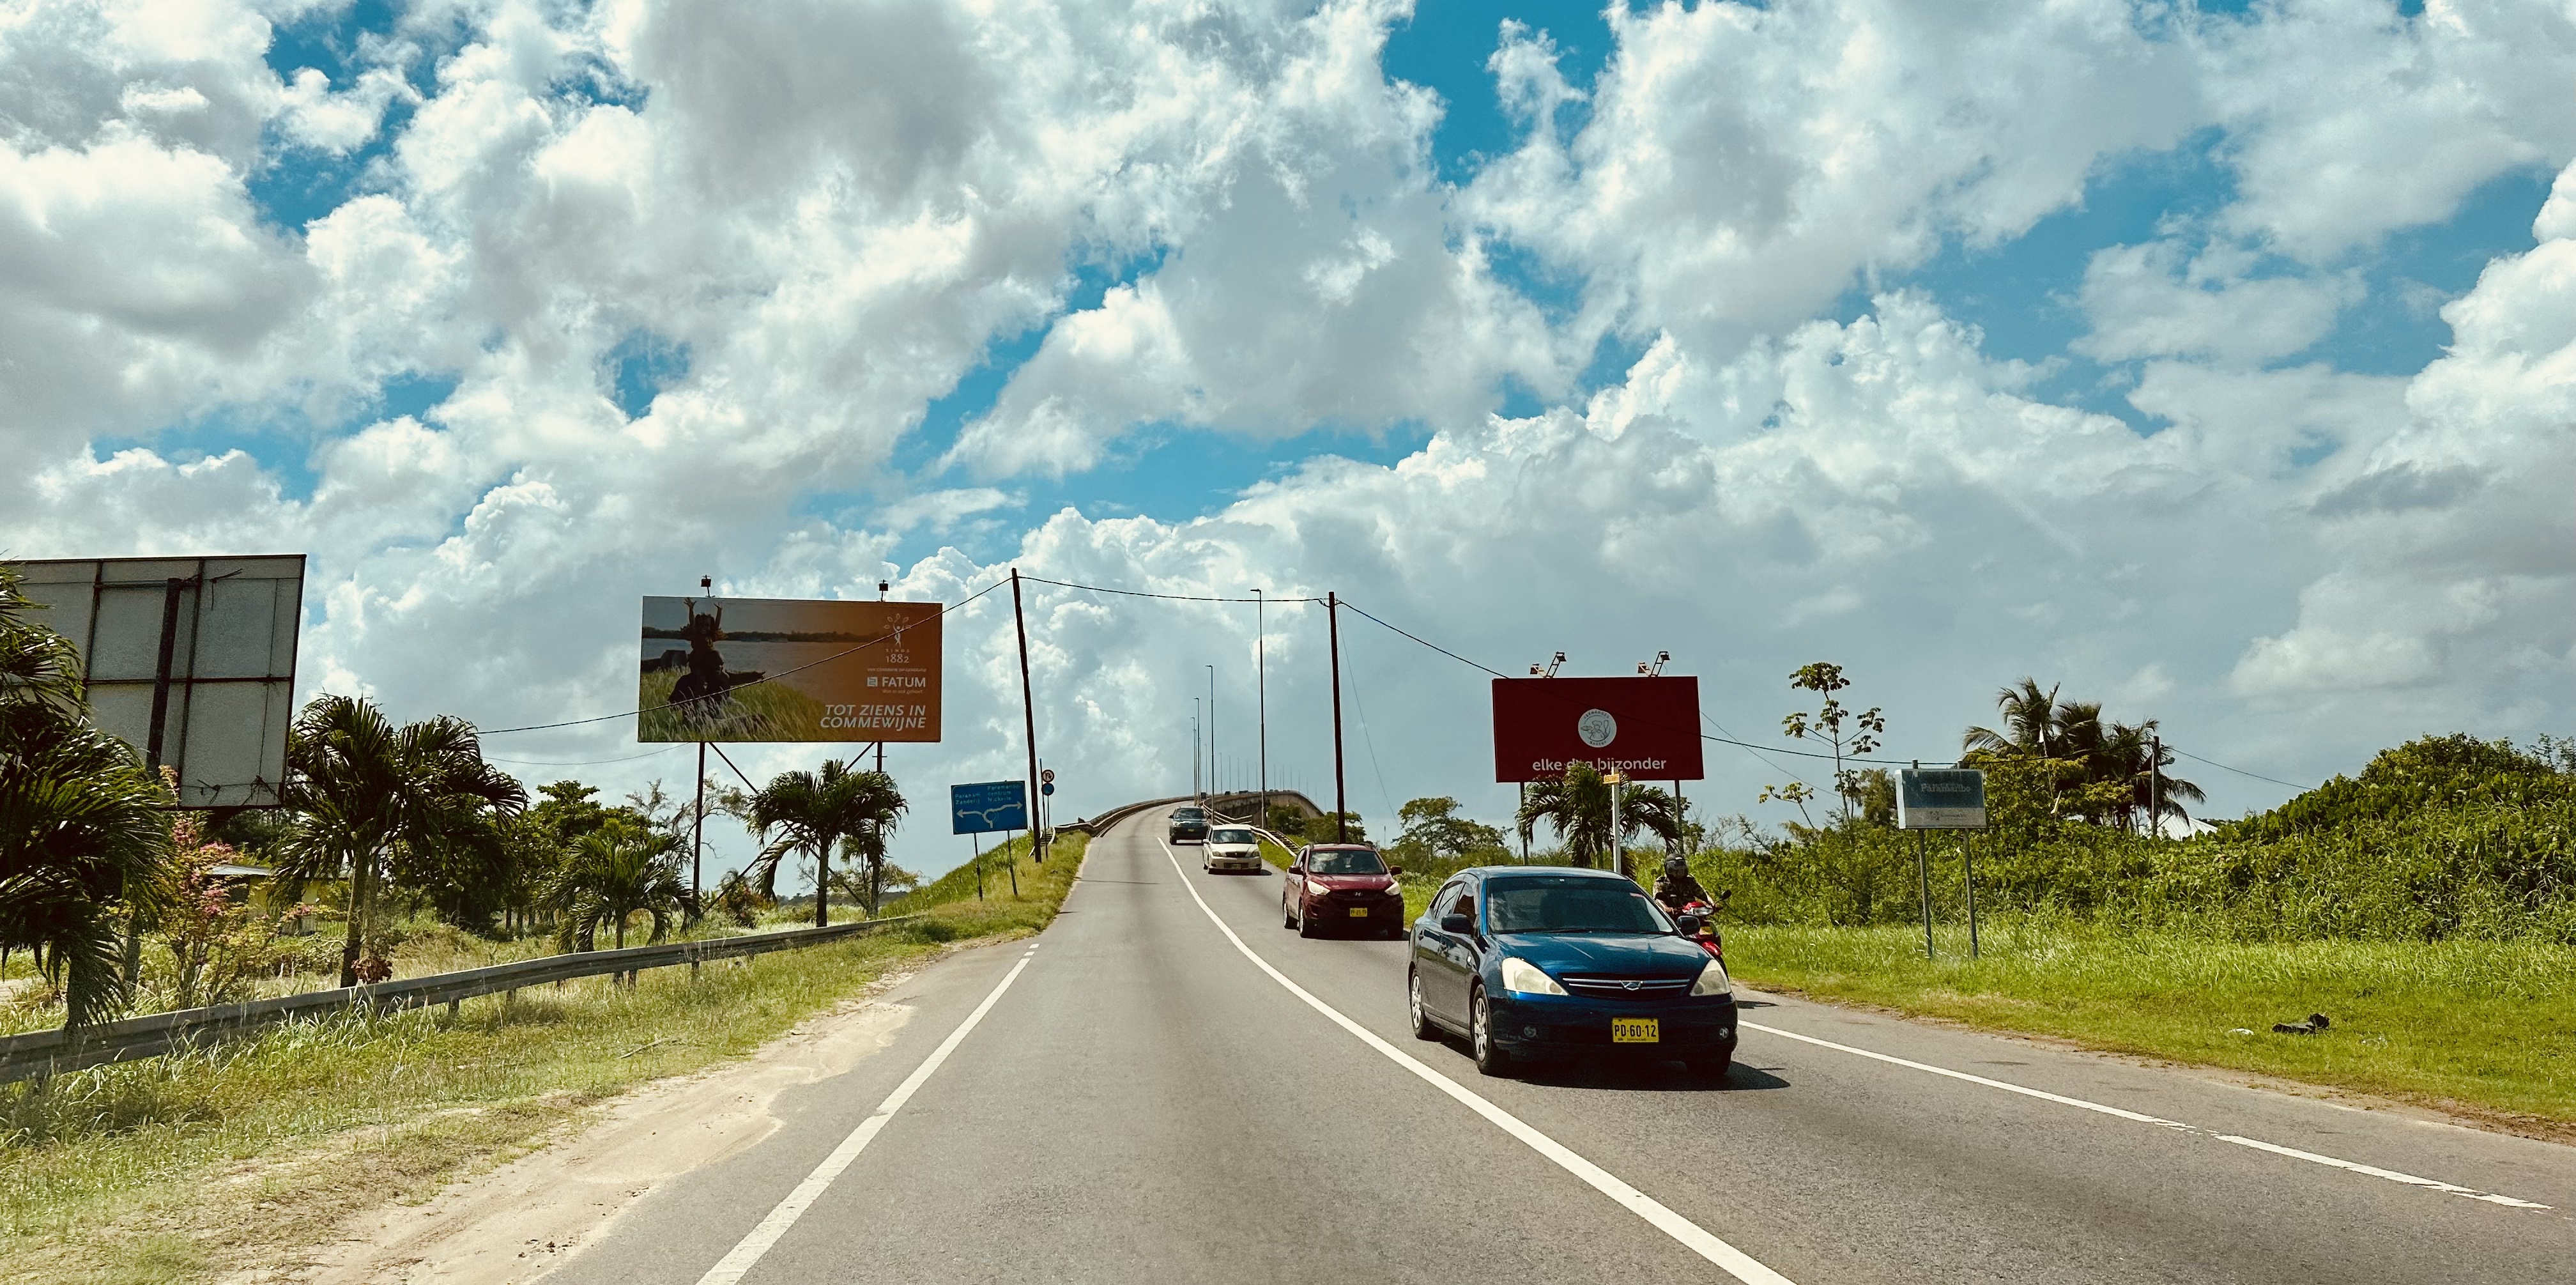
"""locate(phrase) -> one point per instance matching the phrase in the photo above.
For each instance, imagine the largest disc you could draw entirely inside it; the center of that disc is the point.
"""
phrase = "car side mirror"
(1455, 923)
(1395, 870)
(1687, 925)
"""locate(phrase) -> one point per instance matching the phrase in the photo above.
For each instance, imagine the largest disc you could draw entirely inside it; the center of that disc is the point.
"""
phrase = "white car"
(1231, 847)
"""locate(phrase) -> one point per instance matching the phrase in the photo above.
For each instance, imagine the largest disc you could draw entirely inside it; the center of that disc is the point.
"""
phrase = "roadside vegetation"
(400, 853)
(2426, 904)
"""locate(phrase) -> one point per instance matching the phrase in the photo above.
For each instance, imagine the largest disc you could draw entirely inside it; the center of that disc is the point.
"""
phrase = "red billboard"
(1645, 727)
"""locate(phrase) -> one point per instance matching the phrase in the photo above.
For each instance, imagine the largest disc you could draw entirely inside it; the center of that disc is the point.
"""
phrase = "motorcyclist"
(1676, 888)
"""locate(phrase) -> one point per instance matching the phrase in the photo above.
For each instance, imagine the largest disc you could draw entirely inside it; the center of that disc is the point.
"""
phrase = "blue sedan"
(1529, 962)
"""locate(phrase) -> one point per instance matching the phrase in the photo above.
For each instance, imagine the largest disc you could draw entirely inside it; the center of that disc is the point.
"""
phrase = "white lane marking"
(2392, 1175)
(1697, 1239)
(748, 1252)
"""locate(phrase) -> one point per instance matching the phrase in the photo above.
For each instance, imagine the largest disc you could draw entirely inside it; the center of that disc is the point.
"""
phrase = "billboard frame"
(194, 704)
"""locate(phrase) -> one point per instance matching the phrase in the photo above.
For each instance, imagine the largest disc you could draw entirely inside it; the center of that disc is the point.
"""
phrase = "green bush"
(2440, 838)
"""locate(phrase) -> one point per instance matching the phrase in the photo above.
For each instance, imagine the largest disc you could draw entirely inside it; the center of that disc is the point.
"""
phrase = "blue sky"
(520, 313)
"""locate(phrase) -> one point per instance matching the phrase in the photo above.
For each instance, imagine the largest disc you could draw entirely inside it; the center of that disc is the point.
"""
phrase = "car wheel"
(1287, 917)
(1711, 1070)
(1423, 1027)
(1305, 923)
(1491, 1058)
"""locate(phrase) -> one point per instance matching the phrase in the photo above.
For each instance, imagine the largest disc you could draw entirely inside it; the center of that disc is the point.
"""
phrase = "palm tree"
(2030, 718)
(810, 813)
(613, 873)
(359, 786)
(1577, 807)
(83, 833)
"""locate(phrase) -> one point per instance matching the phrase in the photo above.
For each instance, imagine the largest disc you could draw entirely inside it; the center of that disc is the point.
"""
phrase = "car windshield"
(1230, 836)
(1189, 814)
(1346, 863)
(1570, 905)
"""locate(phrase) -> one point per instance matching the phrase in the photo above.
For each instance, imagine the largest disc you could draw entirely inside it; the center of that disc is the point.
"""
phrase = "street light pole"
(1215, 785)
(1261, 693)
(1333, 627)
(1198, 787)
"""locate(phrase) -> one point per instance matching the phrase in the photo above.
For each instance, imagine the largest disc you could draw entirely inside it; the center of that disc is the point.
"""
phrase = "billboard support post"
(1333, 629)
(161, 672)
(1618, 840)
(1028, 700)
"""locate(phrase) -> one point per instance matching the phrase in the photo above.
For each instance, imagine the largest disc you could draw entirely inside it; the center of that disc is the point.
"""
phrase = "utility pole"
(698, 826)
(2155, 784)
(1216, 782)
(1198, 782)
(1028, 702)
(1333, 629)
(1261, 693)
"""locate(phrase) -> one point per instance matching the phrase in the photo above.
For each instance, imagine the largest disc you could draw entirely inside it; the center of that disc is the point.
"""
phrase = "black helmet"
(1676, 868)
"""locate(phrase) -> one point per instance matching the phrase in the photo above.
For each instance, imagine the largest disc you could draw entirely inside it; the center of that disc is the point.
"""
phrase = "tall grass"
(759, 712)
(2488, 871)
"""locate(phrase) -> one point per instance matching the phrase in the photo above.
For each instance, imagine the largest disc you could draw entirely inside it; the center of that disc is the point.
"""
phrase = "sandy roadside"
(519, 1221)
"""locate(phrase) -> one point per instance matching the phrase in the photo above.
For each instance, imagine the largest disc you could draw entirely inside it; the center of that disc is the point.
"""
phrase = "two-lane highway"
(1166, 1086)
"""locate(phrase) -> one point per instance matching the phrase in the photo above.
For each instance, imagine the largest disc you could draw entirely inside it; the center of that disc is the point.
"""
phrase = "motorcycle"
(1707, 937)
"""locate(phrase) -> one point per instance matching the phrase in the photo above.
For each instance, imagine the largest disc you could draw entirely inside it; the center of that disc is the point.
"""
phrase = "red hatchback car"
(1342, 888)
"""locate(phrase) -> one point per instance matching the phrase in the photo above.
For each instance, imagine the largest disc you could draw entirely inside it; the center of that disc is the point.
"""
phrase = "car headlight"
(1522, 977)
(1712, 980)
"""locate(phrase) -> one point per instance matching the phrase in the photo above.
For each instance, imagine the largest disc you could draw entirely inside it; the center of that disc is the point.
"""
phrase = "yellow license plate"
(1635, 1030)
(1359, 912)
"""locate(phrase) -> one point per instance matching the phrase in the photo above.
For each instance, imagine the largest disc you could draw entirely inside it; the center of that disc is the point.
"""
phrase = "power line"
(588, 762)
(2237, 770)
(1139, 593)
(765, 678)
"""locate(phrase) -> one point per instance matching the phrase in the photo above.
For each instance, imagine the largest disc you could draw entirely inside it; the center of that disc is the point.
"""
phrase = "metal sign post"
(1942, 799)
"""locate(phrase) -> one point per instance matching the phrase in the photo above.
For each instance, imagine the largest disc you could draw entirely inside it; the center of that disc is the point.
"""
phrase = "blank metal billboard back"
(208, 643)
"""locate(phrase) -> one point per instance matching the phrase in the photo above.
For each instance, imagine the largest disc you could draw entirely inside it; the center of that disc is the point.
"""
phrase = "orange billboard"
(789, 669)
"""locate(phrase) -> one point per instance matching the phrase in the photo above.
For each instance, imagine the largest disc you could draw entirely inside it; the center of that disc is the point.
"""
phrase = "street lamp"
(1215, 786)
(1261, 694)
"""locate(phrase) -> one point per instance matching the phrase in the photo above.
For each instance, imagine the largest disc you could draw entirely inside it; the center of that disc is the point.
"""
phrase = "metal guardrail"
(43, 1053)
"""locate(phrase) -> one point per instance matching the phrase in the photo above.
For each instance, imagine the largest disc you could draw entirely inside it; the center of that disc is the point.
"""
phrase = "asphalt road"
(1139, 1101)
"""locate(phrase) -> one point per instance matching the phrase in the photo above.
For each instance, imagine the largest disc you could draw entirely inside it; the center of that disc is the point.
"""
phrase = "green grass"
(2486, 1027)
(185, 1168)
(760, 712)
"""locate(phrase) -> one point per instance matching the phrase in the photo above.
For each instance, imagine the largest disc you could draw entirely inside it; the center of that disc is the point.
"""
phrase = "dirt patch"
(517, 1222)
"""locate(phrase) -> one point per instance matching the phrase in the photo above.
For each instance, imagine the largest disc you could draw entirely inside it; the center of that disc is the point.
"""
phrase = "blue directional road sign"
(983, 807)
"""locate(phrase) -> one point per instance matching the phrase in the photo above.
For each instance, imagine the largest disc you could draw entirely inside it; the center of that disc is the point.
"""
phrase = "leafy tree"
(810, 813)
(1846, 733)
(1433, 829)
(1577, 807)
(613, 873)
(364, 791)
(84, 843)
(1322, 828)
(1286, 822)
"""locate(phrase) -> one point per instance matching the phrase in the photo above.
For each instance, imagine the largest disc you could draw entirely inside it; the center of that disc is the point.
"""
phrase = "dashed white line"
(748, 1251)
(1697, 1239)
(2374, 1171)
